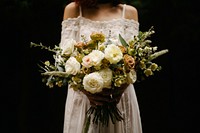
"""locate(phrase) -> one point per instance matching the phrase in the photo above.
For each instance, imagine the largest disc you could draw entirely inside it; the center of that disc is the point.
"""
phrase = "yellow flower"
(85, 70)
(142, 64)
(59, 83)
(75, 87)
(102, 47)
(100, 37)
(131, 51)
(47, 63)
(153, 66)
(50, 84)
(148, 72)
(92, 44)
(119, 81)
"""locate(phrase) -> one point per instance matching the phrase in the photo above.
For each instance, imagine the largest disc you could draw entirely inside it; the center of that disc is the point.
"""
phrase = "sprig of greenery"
(55, 49)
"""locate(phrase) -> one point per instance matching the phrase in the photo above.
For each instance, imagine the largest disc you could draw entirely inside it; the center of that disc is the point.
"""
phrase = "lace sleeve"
(131, 29)
(70, 30)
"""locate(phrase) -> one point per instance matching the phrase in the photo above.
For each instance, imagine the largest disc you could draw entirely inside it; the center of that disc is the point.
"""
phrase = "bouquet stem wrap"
(104, 107)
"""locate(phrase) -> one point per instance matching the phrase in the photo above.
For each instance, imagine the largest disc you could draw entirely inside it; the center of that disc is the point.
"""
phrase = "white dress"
(77, 103)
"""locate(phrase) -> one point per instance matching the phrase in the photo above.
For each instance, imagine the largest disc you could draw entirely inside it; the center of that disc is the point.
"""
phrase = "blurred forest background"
(167, 100)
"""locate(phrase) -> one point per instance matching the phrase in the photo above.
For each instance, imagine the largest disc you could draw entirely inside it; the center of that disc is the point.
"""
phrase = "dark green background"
(167, 101)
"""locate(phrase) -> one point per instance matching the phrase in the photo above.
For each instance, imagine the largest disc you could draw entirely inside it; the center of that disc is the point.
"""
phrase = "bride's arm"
(131, 13)
(71, 11)
(70, 28)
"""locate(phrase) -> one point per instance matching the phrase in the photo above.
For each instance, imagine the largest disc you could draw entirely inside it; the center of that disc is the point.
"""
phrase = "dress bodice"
(75, 27)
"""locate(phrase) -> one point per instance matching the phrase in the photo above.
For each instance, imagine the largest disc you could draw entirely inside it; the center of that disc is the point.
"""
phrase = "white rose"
(93, 59)
(93, 82)
(113, 54)
(131, 77)
(96, 56)
(106, 74)
(87, 61)
(72, 66)
(68, 46)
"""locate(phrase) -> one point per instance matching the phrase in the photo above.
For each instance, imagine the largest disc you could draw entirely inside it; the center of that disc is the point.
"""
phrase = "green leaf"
(124, 43)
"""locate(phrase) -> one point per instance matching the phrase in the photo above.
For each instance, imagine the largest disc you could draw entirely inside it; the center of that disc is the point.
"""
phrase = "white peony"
(93, 82)
(106, 74)
(113, 54)
(68, 46)
(131, 77)
(72, 66)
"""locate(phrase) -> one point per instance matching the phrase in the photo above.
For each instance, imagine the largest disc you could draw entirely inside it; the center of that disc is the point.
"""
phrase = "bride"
(82, 17)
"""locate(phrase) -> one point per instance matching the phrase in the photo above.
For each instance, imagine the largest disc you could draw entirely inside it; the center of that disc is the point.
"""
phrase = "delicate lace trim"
(99, 21)
(128, 28)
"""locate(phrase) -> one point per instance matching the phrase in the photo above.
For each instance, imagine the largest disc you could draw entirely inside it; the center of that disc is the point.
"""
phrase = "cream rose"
(93, 82)
(87, 61)
(68, 46)
(93, 59)
(113, 54)
(106, 74)
(131, 76)
(72, 66)
(96, 56)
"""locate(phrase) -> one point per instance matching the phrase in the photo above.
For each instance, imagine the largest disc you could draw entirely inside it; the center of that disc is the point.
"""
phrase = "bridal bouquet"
(101, 66)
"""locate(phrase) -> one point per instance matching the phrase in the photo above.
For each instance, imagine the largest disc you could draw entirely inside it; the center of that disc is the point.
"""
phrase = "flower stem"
(87, 124)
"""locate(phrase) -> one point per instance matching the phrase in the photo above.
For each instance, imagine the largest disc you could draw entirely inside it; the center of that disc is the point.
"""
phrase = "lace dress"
(77, 103)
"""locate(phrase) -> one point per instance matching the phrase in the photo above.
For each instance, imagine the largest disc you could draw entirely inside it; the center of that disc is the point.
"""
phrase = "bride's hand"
(106, 96)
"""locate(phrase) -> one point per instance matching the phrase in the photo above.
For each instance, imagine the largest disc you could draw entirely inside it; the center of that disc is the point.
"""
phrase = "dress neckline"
(100, 21)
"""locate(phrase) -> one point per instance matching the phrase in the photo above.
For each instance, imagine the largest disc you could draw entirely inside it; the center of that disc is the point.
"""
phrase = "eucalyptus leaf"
(124, 43)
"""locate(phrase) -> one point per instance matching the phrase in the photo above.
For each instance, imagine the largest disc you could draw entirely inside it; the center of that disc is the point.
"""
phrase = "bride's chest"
(109, 28)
